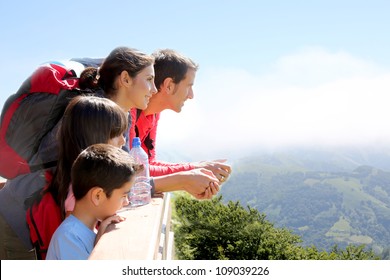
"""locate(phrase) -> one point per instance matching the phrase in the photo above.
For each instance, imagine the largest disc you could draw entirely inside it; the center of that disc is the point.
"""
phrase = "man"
(174, 78)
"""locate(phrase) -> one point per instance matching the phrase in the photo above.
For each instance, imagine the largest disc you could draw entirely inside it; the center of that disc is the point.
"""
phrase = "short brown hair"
(169, 63)
(102, 165)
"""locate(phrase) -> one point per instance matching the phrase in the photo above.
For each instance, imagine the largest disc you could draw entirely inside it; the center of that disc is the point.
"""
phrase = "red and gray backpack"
(31, 113)
(28, 116)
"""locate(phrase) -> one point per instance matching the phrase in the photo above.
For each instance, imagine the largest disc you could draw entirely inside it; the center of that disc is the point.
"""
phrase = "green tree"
(214, 230)
(353, 252)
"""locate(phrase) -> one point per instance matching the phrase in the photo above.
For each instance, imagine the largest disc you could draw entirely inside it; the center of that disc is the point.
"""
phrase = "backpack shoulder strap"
(39, 242)
(139, 111)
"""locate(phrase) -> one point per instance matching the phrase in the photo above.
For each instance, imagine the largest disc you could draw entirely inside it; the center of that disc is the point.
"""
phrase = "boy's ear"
(97, 195)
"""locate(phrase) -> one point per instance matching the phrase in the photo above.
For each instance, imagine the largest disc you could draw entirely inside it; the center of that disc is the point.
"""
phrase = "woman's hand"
(201, 183)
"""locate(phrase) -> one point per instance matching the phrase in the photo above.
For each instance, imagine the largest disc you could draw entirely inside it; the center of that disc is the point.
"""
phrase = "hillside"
(326, 197)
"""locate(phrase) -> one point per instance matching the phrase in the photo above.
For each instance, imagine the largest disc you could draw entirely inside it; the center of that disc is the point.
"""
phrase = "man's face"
(183, 91)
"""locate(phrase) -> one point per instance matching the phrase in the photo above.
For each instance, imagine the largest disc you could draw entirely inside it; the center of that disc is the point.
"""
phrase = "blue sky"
(272, 73)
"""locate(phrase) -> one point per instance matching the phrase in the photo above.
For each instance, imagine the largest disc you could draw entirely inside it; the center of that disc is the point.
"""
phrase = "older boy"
(102, 176)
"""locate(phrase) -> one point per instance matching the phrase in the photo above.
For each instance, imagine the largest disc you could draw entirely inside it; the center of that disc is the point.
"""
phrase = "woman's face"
(142, 88)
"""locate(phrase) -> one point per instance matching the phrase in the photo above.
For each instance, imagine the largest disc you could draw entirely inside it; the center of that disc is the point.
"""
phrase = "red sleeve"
(147, 125)
(158, 168)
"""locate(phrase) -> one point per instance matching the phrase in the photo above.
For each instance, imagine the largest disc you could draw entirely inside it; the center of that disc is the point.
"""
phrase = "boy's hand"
(105, 223)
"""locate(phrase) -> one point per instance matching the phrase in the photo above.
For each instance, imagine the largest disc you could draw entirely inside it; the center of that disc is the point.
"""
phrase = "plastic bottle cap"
(136, 142)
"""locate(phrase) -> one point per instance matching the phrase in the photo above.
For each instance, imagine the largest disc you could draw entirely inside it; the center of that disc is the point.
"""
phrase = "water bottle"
(140, 156)
(140, 192)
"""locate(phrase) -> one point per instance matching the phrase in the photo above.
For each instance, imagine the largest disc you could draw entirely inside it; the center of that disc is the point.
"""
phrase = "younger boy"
(102, 176)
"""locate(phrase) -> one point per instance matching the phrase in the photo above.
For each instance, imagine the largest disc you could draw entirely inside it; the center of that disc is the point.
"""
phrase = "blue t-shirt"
(72, 240)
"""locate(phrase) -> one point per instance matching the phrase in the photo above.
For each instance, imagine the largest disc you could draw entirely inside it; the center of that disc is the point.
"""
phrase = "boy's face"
(117, 200)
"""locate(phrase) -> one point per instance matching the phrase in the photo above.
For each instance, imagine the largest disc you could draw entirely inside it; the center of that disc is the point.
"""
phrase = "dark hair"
(88, 80)
(102, 165)
(171, 64)
(87, 120)
(120, 59)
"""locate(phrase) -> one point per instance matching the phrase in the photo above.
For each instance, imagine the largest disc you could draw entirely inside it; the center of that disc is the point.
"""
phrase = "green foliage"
(210, 229)
(353, 252)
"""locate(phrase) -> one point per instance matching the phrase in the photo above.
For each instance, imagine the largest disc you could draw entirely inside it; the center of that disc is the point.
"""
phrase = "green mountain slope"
(327, 199)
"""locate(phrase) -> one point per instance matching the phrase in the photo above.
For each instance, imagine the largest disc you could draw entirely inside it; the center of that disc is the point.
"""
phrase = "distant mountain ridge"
(335, 196)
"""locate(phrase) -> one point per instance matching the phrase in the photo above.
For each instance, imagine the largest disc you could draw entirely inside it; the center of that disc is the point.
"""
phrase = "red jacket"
(145, 127)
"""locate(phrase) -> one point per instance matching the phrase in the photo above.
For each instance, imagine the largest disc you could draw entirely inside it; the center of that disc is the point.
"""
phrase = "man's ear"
(168, 85)
(97, 195)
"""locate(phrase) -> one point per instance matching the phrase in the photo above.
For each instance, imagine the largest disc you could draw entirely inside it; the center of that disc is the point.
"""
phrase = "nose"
(154, 89)
(126, 201)
(191, 94)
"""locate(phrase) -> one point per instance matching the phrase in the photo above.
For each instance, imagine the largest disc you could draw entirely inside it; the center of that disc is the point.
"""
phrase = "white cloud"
(308, 98)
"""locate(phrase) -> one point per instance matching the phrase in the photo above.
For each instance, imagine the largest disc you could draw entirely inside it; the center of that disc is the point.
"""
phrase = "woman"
(126, 77)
